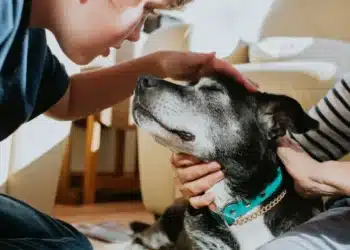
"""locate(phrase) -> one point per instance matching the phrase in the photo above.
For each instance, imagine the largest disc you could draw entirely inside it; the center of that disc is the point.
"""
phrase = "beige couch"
(306, 78)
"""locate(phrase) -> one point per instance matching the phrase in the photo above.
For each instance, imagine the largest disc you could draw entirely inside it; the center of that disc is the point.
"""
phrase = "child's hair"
(179, 4)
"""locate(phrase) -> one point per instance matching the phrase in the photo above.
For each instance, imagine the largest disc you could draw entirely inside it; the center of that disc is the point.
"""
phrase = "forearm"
(335, 174)
(93, 91)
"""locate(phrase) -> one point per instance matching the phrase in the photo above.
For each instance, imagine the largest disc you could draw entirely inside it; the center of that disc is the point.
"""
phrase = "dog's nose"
(147, 82)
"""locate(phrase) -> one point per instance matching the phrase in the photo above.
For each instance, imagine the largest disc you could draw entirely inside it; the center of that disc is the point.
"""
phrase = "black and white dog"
(216, 119)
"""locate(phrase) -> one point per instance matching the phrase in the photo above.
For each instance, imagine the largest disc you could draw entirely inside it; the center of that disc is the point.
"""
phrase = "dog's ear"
(279, 113)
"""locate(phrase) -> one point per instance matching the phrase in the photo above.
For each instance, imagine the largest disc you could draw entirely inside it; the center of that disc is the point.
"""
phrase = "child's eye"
(151, 11)
(155, 12)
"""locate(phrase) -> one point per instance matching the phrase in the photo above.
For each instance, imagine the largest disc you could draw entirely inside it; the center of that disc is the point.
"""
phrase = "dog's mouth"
(184, 135)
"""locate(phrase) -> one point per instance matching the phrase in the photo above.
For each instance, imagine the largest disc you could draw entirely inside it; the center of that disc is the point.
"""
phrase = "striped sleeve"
(332, 140)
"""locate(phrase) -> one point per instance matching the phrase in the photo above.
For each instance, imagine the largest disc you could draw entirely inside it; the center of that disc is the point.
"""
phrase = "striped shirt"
(332, 140)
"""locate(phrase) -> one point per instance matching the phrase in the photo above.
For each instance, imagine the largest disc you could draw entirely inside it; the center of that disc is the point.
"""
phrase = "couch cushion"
(301, 49)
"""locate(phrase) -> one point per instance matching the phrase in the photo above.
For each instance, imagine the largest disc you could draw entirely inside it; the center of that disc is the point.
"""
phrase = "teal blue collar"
(233, 211)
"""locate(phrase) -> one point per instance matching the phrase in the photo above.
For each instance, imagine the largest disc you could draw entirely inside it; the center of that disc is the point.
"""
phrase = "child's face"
(99, 25)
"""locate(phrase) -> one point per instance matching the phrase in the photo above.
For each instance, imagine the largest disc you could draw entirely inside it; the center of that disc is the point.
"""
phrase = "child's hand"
(191, 66)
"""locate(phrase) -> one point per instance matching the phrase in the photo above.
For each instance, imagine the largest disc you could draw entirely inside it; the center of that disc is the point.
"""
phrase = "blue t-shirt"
(31, 78)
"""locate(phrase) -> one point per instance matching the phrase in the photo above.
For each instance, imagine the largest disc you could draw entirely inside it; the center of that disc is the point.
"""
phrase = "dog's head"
(215, 117)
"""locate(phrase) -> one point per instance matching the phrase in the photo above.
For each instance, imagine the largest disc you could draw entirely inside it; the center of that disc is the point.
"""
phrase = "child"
(33, 82)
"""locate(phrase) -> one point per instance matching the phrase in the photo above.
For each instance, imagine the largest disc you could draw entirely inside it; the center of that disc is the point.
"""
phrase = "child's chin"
(83, 60)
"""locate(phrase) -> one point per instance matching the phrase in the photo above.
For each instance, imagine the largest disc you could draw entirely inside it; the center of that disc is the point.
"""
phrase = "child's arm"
(94, 91)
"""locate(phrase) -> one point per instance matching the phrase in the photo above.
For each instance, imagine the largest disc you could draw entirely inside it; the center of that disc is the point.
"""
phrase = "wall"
(218, 25)
(5, 154)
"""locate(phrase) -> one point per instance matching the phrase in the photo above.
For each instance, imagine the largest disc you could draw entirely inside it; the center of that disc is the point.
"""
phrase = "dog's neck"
(245, 176)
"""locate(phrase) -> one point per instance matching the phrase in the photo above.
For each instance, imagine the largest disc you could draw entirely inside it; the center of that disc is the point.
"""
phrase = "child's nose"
(135, 36)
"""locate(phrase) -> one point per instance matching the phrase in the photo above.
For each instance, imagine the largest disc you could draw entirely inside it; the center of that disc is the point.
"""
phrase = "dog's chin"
(147, 122)
(143, 118)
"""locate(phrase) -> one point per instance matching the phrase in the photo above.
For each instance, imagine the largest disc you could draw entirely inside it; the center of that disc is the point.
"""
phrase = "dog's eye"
(186, 136)
(211, 88)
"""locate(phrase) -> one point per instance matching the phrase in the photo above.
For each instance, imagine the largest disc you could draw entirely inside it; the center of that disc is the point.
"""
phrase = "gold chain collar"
(246, 218)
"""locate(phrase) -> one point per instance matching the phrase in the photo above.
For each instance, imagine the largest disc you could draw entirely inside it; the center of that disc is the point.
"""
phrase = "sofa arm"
(323, 71)
(307, 82)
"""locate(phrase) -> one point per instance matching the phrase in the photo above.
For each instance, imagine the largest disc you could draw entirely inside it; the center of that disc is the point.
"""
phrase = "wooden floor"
(122, 212)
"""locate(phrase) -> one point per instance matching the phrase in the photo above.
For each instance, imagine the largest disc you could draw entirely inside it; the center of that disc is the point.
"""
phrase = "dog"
(217, 119)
